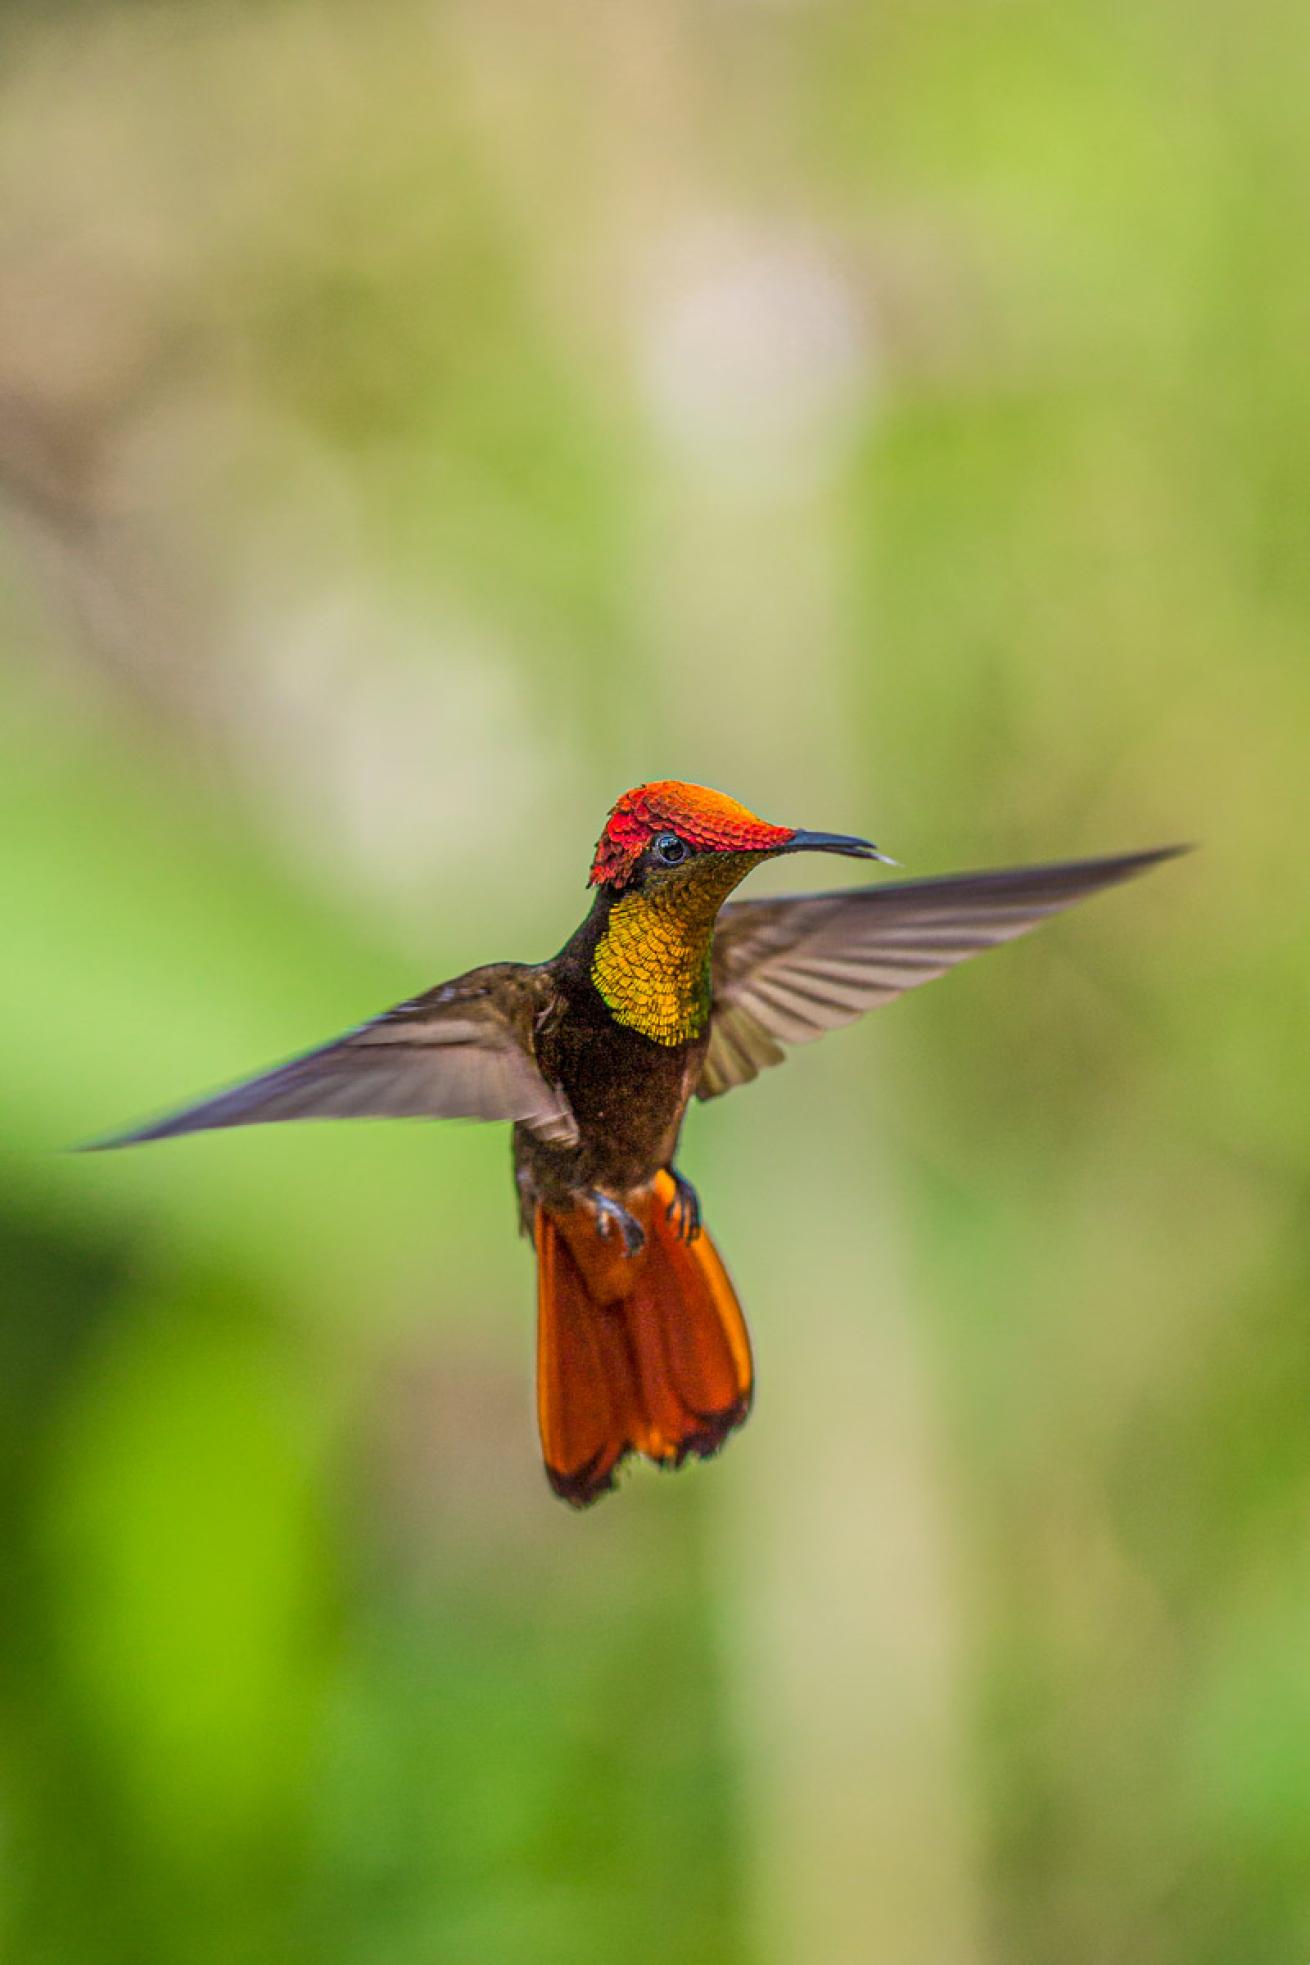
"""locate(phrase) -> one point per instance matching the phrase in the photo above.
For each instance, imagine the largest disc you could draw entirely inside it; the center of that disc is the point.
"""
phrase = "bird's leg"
(684, 1209)
(527, 1204)
(611, 1214)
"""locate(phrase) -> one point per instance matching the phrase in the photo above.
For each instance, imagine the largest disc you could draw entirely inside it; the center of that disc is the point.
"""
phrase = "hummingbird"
(668, 991)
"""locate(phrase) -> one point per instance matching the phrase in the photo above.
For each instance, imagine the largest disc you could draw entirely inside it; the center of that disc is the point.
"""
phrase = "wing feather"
(462, 1051)
(787, 970)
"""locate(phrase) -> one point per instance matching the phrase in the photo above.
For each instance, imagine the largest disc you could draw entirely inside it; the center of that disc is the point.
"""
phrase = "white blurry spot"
(398, 748)
(410, 752)
(755, 361)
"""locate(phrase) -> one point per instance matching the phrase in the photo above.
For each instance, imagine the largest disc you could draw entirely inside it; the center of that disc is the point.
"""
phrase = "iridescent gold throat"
(652, 964)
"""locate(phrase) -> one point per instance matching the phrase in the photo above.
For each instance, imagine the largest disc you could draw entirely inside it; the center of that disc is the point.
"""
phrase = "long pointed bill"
(835, 842)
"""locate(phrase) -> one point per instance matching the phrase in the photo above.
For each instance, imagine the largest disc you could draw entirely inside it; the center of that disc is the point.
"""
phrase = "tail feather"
(584, 1375)
(644, 1354)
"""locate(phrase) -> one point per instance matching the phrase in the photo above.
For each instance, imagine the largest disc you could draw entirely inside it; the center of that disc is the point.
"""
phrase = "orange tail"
(635, 1354)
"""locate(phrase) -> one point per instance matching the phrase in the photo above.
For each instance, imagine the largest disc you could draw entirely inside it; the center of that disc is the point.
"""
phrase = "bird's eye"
(670, 848)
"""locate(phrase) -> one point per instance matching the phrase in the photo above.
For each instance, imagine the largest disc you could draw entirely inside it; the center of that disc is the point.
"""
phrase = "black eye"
(671, 849)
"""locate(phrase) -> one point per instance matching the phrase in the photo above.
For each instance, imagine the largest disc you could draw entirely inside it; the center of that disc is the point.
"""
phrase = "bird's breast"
(628, 1094)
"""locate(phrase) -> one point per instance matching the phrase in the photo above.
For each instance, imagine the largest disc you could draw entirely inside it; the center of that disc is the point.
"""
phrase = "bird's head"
(674, 835)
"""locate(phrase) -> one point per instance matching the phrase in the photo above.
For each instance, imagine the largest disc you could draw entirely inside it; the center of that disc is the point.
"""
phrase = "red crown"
(706, 819)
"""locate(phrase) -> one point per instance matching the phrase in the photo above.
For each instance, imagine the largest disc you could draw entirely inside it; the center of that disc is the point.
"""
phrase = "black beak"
(835, 842)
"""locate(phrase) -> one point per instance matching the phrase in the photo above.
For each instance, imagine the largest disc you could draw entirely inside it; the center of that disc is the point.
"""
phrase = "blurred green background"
(417, 423)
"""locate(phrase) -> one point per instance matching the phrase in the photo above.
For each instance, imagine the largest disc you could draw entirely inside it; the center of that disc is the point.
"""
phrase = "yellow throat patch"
(652, 964)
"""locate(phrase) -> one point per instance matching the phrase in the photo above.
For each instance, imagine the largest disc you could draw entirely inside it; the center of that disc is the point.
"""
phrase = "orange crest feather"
(709, 820)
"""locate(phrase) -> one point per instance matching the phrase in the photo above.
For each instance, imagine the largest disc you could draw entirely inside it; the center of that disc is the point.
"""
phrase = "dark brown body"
(628, 1094)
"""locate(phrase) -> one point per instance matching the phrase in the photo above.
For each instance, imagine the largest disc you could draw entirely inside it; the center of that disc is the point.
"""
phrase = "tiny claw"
(684, 1208)
(611, 1214)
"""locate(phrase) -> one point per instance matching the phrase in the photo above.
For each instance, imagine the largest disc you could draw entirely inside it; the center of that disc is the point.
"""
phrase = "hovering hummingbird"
(662, 994)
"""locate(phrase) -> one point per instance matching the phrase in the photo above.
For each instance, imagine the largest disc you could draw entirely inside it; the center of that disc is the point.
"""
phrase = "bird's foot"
(684, 1209)
(611, 1214)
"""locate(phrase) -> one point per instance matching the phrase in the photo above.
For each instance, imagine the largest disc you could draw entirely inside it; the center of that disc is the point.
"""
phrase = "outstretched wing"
(787, 970)
(462, 1051)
